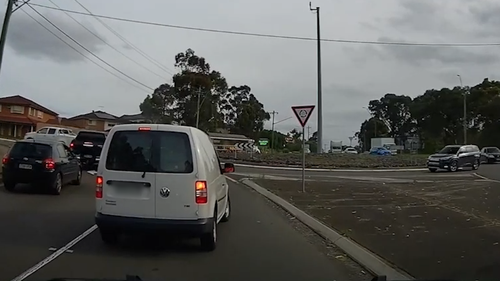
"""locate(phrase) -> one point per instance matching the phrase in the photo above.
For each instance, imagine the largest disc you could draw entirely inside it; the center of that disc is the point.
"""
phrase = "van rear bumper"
(174, 227)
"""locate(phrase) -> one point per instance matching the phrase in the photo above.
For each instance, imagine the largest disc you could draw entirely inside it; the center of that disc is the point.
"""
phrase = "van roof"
(162, 127)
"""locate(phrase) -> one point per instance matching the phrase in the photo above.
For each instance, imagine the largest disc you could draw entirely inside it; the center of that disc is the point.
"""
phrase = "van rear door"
(176, 175)
(129, 180)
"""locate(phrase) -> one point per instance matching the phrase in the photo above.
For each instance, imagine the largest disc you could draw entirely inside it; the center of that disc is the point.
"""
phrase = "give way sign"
(303, 113)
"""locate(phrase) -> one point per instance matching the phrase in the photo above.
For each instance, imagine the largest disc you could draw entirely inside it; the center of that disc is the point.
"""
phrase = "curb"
(484, 178)
(330, 170)
(358, 253)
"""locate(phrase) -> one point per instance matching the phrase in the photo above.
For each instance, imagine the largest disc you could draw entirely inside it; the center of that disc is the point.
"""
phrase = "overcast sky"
(281, 73)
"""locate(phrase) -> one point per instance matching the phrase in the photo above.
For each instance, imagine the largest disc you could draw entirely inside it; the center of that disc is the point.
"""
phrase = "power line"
(127, 42)
(82, 54)
(278, 36)
(90, 52)
(104, 41)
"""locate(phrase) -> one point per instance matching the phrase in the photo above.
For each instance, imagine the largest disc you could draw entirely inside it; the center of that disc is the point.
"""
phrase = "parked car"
(350, 150)
(43, 163)
(452, 157)
(87, 146)
(161, 178)
(490, 155)
(379, 150)
(52, 134)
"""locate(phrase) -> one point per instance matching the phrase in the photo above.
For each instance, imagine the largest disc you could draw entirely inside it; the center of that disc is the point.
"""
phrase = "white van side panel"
(180, 204)
(126, 193)
(215, 179)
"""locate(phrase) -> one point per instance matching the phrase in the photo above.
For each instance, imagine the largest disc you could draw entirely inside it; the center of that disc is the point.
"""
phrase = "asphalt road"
(259, 243)
(256, 172)
(491, 171)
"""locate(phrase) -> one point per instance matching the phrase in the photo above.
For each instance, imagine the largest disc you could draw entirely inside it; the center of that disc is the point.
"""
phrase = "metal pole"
(465, 108)
(198, 108)
(3, 36)
(272, 131)
(320, 99)
(304, 160)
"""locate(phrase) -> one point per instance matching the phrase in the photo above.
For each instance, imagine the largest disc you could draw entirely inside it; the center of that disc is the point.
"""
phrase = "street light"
(464, 93)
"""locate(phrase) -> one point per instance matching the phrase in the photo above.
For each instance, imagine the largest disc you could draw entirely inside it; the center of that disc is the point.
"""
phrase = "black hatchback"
(46, 164)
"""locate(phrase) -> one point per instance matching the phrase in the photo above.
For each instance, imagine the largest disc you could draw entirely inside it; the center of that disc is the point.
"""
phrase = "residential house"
(95, 120)
(132, 118)
(19, 115)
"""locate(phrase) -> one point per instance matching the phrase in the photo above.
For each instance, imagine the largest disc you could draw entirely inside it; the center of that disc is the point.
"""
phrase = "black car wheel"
(453, 166)
(78, 179)
(57, 185)
(475, 165)
(9, 186)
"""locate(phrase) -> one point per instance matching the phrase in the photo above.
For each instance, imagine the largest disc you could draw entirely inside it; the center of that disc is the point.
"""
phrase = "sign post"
(303, 113)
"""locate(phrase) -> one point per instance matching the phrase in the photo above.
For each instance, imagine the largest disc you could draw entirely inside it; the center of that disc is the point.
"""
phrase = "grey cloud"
(485, 14)
(27, 38)
(346, 91)
(418, 55)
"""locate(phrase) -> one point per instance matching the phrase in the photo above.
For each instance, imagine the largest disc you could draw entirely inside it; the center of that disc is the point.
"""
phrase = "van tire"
(209, 240)
(56, 187)
(227, 213)
(109, 236)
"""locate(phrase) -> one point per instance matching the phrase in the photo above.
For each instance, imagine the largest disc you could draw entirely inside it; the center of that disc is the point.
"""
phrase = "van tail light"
(98, 187)
(144, 128)
(201, 192)
(5, 159)
(49, 164)
(71, 145)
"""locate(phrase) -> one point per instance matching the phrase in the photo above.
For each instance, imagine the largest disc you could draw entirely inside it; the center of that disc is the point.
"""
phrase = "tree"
(395, 110)
(242, 112)
(200, 96)
(371, 128)
(157, 107)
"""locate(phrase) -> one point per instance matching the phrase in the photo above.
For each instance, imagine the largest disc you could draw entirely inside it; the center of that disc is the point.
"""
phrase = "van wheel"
(475, 165)
(209, 240)
(109, 236)
(227, 213)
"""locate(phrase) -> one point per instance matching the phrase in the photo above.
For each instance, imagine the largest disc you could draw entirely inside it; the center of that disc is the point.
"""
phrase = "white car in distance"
(52, 133)
(350, 150)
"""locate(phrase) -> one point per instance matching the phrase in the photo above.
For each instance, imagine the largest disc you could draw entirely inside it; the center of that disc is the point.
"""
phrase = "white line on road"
(56, 254)
(332, 170)
(484, 178)
(231, 179)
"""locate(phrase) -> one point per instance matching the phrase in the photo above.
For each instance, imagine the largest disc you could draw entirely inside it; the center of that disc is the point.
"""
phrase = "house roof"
(20, 100)
(100, 115)
(131, 117)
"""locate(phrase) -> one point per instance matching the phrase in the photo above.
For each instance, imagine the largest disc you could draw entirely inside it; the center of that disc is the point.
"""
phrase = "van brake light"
(144, 129)
(5, 159)
(201, 192)
(49, 164)
(98, 186)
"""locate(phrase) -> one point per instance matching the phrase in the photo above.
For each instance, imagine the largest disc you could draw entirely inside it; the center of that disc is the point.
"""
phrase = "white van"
(161, 178)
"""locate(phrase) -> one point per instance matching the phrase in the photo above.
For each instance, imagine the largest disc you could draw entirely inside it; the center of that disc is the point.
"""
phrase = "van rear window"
(150, 151)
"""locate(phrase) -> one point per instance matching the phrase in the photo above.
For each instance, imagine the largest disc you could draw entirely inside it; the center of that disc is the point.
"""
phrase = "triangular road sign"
(303, 113)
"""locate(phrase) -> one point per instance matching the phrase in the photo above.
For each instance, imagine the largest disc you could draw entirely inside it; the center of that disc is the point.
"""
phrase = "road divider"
(416, 169)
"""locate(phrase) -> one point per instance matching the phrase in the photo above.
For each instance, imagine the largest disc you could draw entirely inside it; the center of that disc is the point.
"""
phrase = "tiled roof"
(19, 100)
(101, 115)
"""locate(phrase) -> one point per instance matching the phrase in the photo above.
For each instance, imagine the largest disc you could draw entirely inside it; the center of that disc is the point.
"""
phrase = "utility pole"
(198, 108)
(320, 102)
(272, 130)
(464, 93)
(308, 134)
(6, 20)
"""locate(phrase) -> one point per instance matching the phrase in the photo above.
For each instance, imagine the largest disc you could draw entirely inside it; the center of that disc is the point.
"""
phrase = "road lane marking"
(484, 178)
(56, 254)
(231, 179)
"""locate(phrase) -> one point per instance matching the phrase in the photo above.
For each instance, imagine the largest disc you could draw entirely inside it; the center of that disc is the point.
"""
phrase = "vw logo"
(164, 192)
